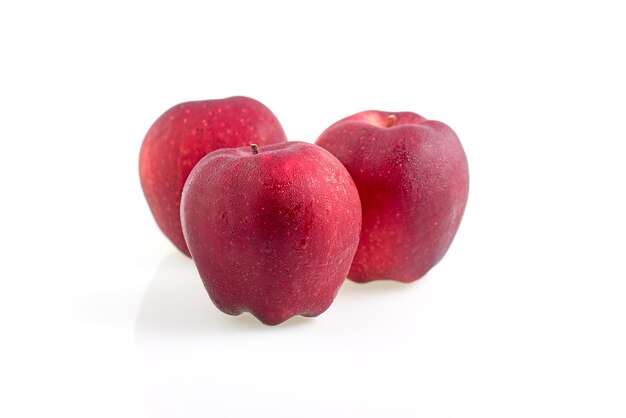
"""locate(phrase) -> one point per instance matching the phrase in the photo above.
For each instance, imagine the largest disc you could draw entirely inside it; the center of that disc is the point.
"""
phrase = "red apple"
(272, 229)
(182, 136)
(412, 178)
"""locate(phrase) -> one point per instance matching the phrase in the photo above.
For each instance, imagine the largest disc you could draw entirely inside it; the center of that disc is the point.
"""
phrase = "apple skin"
(182, 136)
(272, 233)
(412, 177)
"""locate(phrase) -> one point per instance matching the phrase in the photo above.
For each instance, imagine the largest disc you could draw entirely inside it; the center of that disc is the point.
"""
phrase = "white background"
(525, 316)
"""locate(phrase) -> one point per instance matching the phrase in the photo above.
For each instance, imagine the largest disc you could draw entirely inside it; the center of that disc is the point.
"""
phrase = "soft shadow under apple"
(375, 287)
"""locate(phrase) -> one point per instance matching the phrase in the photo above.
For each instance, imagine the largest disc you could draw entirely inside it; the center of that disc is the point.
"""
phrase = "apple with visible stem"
(272, 229)
(412, 177)
(182, 136)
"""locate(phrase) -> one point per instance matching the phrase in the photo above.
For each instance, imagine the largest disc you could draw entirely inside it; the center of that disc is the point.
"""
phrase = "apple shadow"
(376, 287)
(175, 303)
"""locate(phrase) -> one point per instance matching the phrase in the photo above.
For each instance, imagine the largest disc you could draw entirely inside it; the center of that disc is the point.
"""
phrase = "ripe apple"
(182, 136)
(272, 229)
(412, 178)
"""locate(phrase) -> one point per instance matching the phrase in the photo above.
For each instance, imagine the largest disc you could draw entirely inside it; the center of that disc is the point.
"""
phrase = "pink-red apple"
(412, 178)
(272, 229)
(182, 136)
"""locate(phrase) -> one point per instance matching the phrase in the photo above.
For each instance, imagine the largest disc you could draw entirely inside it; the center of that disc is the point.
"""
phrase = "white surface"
(524, 317)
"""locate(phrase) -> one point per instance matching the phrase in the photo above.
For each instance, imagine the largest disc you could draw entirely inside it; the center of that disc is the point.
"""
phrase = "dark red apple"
(412, 178)
(272, 229)
(182, 136)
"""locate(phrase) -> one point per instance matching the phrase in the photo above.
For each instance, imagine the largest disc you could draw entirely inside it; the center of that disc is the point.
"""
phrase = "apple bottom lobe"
(393, 266)
(273, 317)
(304, 288)
(404, 246)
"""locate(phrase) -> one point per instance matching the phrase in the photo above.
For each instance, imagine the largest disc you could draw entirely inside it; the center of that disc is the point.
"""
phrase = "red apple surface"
(272, 229)
(413, 180)
(182, 136)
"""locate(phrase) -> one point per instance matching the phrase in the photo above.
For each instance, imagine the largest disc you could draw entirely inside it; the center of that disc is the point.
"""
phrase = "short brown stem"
(255, 149)
(391, 119)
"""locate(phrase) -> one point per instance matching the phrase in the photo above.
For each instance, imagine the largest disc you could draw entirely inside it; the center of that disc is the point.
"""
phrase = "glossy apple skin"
(272, 233)
(413, 183)
(182, 136)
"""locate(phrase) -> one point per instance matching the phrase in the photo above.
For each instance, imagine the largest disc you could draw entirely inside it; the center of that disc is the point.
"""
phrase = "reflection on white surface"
(197, 362)
(175, 302)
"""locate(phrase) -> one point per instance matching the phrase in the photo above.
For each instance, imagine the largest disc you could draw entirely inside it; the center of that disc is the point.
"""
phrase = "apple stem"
(390, 120)
(255, 149)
